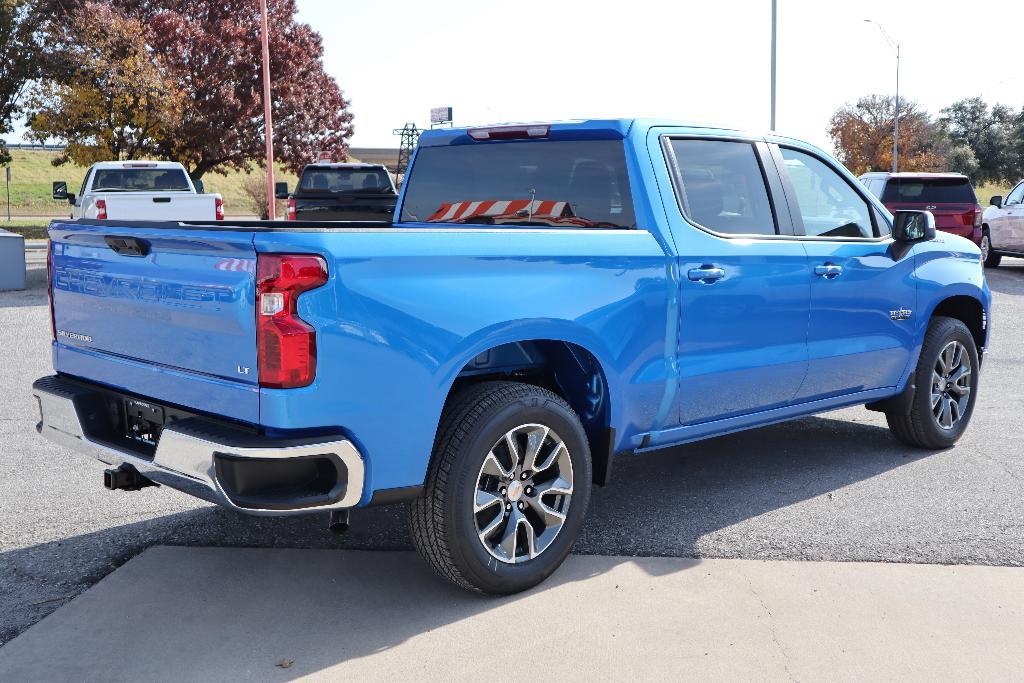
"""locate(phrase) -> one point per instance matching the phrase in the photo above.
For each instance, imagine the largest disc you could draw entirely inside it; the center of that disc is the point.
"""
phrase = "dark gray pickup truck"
(341, 192)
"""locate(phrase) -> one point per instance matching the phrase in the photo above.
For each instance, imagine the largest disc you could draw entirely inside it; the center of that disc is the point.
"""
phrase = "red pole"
(268, 121)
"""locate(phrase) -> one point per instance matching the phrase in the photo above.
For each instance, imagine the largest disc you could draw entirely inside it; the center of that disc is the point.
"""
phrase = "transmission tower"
(409, 135)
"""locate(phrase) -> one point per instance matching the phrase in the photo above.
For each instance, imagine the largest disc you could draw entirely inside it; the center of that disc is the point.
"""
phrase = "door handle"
(127, 246)
(707, 275)
(828, 271)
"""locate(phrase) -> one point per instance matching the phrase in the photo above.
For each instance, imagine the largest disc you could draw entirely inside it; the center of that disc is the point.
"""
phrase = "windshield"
(334, 180)
(929, 191)
(543, 183)
(140, 180)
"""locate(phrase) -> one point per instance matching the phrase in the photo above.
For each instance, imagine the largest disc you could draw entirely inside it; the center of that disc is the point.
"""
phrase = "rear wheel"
(507, 489)
(989, 257)
(946, 381)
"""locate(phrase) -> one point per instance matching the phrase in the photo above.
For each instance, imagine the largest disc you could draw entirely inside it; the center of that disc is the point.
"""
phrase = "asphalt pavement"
(834, 487)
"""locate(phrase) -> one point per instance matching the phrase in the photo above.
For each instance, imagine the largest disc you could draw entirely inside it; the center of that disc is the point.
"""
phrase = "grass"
(32, 176)
(985, 192)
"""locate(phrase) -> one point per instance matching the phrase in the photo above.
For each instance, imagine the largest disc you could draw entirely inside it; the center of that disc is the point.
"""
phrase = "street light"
(896, 132)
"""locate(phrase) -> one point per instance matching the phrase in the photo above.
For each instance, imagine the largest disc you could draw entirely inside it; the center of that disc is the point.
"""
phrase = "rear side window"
(566, 183)
(722, 187)
(929, 191)
(337, 180)
(829, 205)
(140, 180)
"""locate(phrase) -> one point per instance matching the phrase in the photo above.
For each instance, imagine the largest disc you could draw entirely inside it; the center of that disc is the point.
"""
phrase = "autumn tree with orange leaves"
(862, 135)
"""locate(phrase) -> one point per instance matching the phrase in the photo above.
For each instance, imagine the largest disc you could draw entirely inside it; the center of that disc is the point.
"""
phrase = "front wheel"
(946, 381)
(507, 490)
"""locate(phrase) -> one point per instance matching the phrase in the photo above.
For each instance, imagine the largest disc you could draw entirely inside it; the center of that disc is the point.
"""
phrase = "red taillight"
(219, 208)
(49, 289)
(101, 209)
(977, 216)
(286, 344)
(291, 210)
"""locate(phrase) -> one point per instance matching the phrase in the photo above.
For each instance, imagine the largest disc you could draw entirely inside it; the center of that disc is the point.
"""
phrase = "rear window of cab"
(559, 184)
(929, 191)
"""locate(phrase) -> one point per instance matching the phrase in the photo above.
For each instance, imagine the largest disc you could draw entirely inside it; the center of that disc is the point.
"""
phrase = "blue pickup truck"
(547, 298)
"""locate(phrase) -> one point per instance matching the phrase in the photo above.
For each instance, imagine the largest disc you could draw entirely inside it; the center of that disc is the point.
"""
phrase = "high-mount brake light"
(510, 132)
(137, 164)
(101, 209)
(219, 204)
(286, 344)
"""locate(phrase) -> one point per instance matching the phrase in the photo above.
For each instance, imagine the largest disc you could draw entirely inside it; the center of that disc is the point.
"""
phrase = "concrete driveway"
(216, 614)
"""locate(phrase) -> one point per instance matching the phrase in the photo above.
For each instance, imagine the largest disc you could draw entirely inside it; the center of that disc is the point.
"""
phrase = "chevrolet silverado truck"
(341, 192)
(547, 298)
(140, 190)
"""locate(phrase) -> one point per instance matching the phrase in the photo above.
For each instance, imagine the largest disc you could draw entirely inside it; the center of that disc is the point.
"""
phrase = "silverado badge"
(901, 314)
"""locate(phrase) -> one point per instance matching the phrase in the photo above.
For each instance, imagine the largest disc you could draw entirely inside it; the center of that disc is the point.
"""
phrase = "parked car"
(341, 192)
(1002, 226)
(949, 196)
(140, 190)
(488, 374)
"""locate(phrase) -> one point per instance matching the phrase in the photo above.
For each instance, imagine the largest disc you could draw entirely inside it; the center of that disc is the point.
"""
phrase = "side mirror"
(60, 190)
(281, 190)
(913, 226)
(200, 187)
(996, 201)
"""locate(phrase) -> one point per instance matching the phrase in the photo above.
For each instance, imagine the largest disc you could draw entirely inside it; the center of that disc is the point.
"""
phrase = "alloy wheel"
(951, 385)
(523, 493)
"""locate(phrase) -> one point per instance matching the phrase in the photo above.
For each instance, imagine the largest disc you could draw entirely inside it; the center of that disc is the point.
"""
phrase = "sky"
(704, 62)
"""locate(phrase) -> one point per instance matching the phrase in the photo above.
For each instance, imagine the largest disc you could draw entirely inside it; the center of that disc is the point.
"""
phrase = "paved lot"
(836, 487)
(344, 615)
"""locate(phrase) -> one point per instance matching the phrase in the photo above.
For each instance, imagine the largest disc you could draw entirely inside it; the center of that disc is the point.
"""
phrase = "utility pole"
(7, 169)
(268, 122)
(774, 51)
(409, 135)
(896, 125)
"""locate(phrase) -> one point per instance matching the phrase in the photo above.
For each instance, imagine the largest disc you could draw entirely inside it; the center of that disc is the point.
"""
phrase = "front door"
(744, 292)
(860, 333)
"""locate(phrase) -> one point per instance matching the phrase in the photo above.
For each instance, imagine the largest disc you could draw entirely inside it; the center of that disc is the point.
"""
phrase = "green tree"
(989, 132)
(21, 46)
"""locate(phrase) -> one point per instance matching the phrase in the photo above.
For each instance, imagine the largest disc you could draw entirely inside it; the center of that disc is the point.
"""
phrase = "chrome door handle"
(707, 275)
(828, 271)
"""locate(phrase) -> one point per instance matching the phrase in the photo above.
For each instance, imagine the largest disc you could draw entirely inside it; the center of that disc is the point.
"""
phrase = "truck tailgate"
(167, 313)
(160, 206)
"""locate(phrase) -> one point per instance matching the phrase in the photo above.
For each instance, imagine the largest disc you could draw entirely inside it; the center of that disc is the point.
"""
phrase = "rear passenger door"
(862, 289)
(745, 287)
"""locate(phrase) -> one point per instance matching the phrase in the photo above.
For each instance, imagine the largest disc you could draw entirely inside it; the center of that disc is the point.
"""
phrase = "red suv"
(949, 196)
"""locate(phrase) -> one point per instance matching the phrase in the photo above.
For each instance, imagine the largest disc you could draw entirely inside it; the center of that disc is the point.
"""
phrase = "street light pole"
(774, 50)
(268, 122)
(896, 126)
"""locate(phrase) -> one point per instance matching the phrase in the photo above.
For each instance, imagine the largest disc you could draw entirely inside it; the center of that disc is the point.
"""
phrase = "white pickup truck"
(140, 190)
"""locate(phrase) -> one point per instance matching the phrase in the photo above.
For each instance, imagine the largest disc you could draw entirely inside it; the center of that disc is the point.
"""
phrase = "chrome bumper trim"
(185, 460)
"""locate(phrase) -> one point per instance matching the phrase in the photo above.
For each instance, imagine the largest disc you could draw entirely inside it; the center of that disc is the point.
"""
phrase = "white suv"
(1003, 226)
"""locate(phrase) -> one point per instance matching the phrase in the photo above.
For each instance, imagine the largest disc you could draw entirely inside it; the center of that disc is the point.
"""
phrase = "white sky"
(704, 61)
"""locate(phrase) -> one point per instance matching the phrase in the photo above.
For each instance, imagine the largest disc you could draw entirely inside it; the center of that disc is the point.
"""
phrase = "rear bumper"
(214, 461)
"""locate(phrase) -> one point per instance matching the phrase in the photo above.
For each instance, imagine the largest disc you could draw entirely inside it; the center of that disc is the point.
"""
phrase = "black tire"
(993, 259)
(442, 522)
(920, 428)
